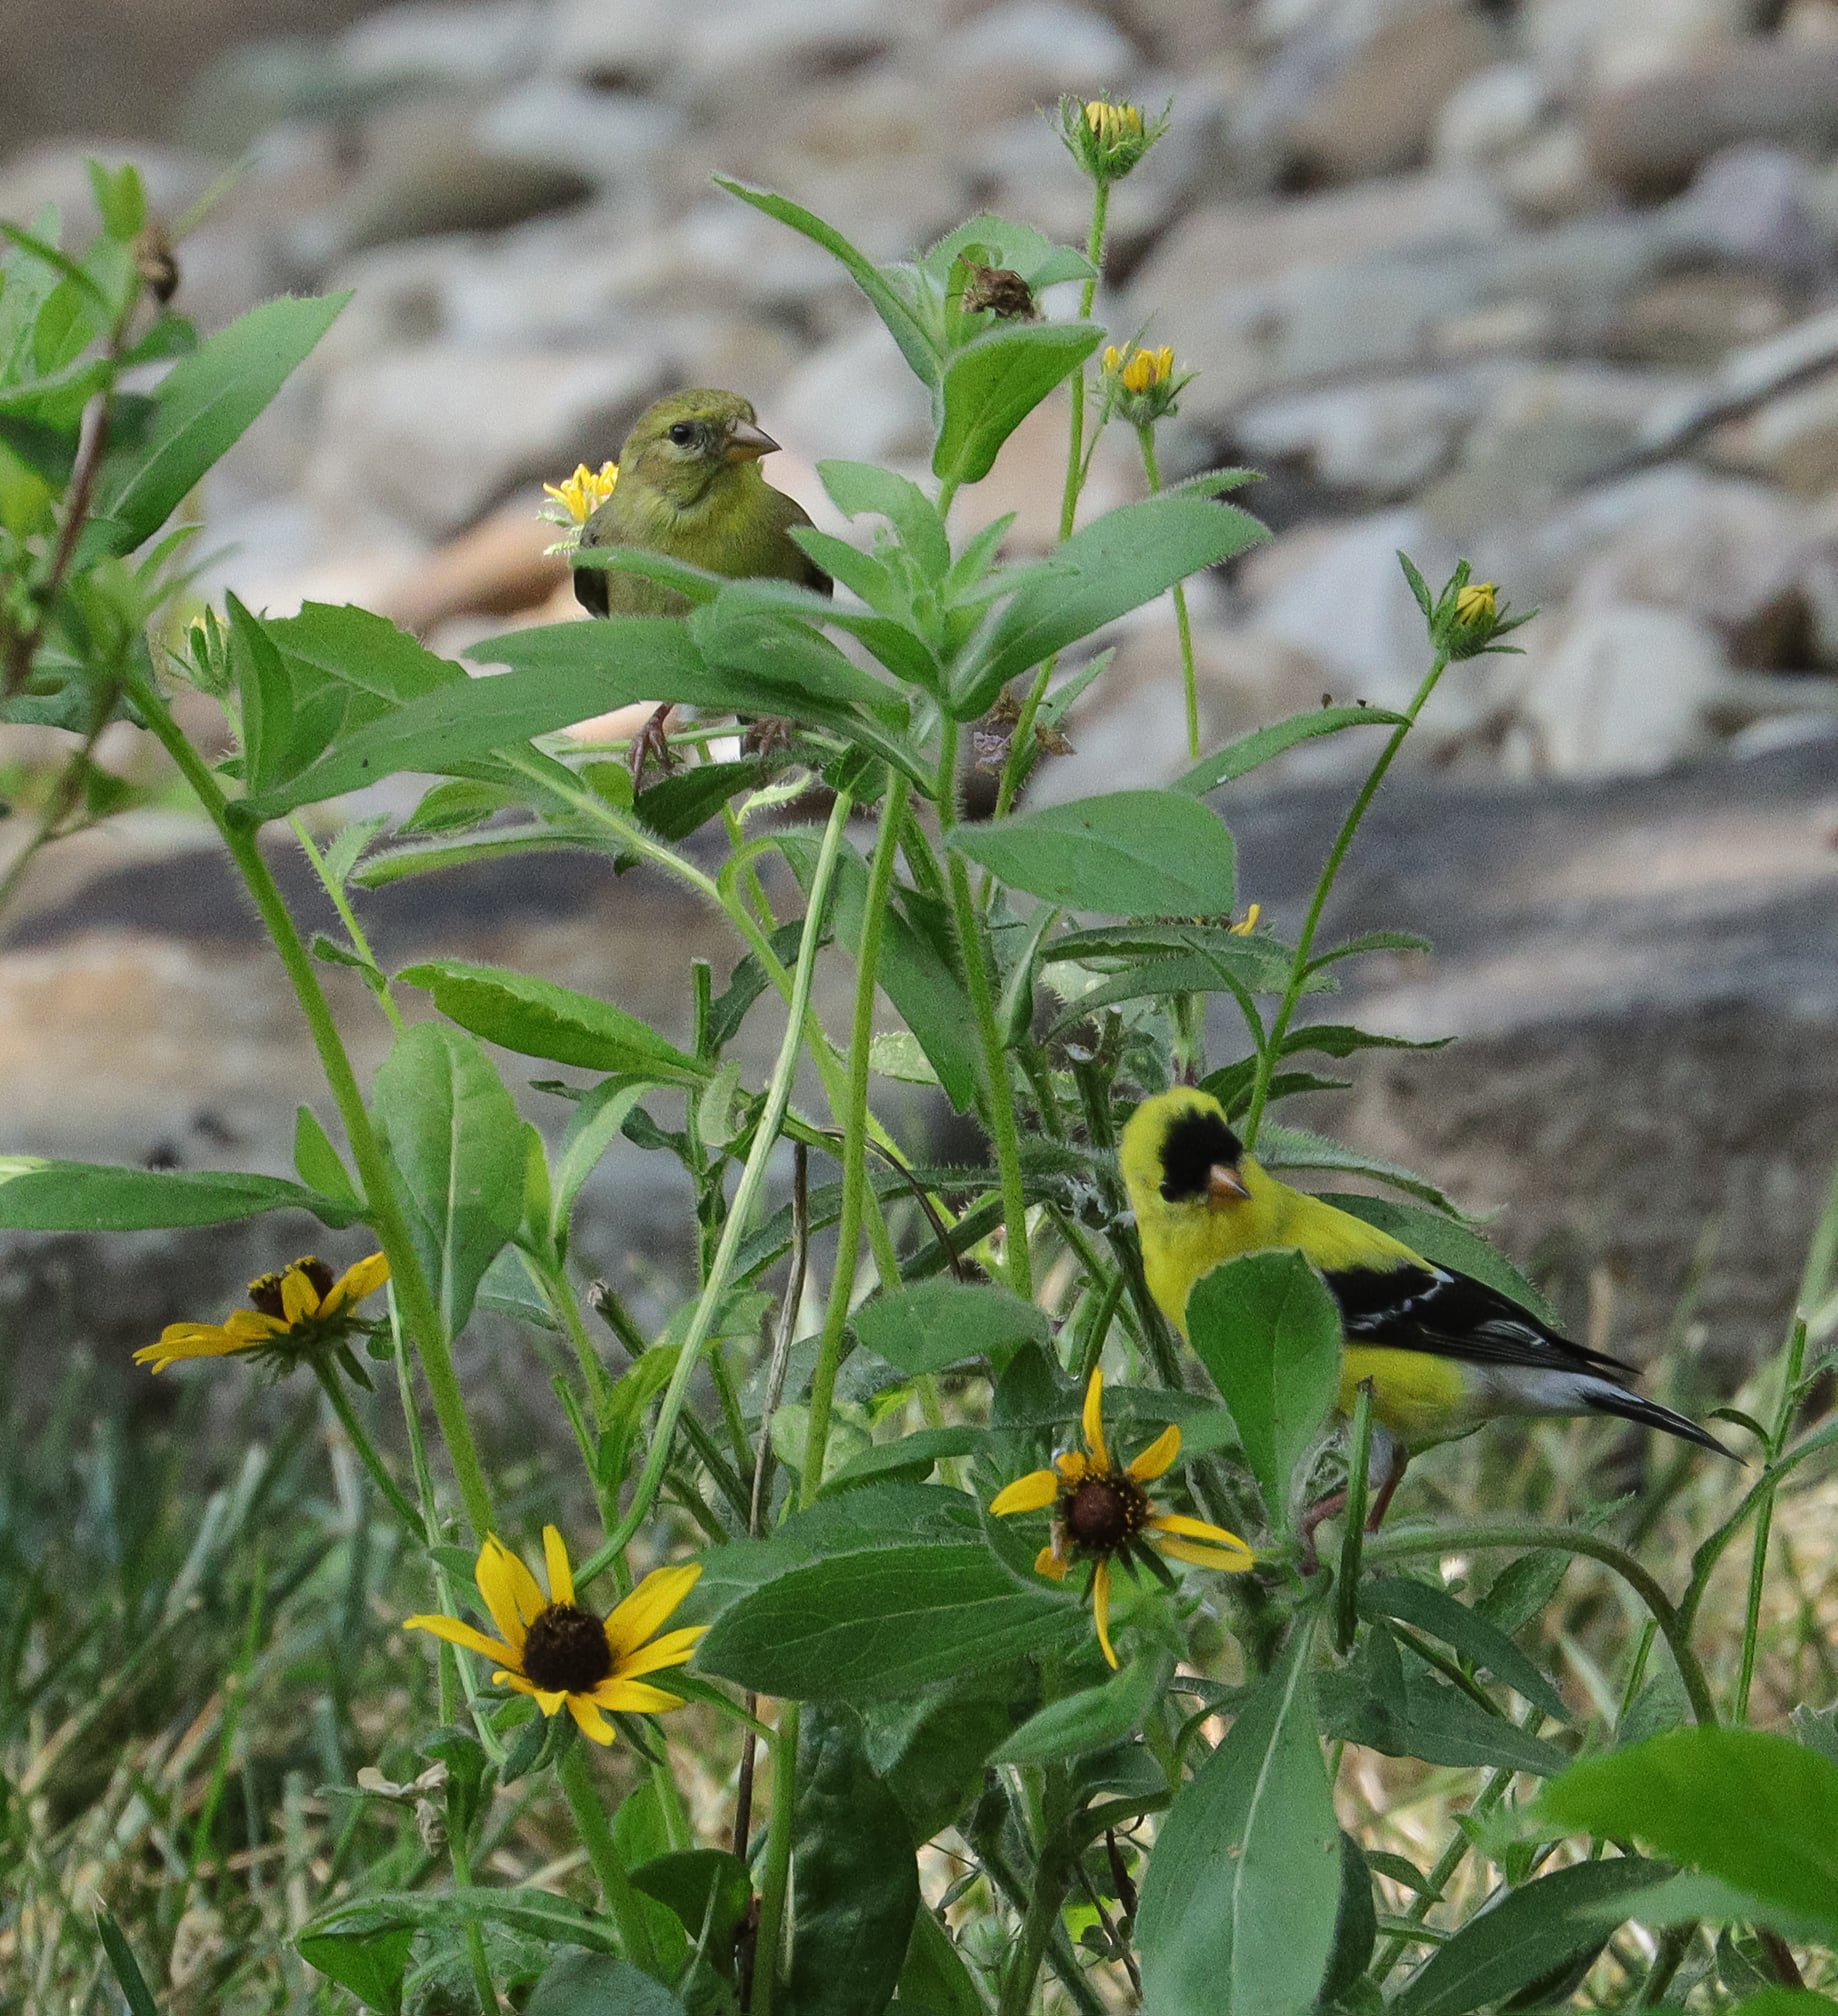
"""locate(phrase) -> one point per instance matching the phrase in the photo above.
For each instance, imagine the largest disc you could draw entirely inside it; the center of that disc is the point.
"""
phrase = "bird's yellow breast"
(1420, 1397)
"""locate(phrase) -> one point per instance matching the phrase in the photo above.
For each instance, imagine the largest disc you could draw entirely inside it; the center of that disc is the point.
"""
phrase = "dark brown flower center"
(265, 1294)
(1103, 1514)
(566, 1651)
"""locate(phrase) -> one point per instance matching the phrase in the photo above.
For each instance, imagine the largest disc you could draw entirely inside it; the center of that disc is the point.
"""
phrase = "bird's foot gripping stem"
(1335, 1503)
(652, 742)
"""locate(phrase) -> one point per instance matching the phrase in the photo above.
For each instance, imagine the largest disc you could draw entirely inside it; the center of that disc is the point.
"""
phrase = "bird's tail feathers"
(1604, 1398)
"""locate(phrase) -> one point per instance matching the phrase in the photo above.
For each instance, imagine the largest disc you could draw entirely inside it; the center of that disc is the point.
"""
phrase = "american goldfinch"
(690, 487)
(1443, 1351)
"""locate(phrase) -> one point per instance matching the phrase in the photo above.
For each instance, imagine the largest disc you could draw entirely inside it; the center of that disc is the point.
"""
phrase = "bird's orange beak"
(1225, 1186)
(747, 443)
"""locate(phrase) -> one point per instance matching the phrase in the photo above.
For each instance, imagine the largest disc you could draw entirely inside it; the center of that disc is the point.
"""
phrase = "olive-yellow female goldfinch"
(690, 488)
(1443, 1351)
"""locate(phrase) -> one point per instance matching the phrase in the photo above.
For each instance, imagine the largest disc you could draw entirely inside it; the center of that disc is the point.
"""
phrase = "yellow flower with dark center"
(1103, 1512)
(1477, 603)
(295, 1313)
(558, 1653)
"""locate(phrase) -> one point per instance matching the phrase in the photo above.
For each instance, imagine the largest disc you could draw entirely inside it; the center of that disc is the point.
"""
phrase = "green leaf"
(1681, 1794)
(1113, 565)
(1473, 1636)
(126, 1969)
(121, 198)
(204, 404)
(536, 1018)
(538, 1914)
(1526, 1935)
(1296, 1148)
(890, 301)
(1355, 1923)
(855, 1883)
(935, 1979)
(1129, 853)
(556, 680)
(1786, 2002)
(993, 382)
(862, 1624)
(453, 1137)
(1446, 1243)
(861, 488)
(933, 1324)
(269, 723)
(1250, 751)
(371, 1965)
(1268, 1332)
(1092, 1719)
(317, 1162)
(596, 1984)
(1243, 1889)
(707, 1888)
(37, 1195)
(1373, 1702)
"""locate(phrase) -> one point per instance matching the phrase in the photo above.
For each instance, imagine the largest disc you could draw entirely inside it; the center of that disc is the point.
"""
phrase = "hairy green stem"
(854, 1137)
(1015, 764)
(1151, 468)
(408, 1282)
(740, 1212)
(368, 1455)
(998, 1087)
(623, 1902)
(340, 899)
(1272, 1048)
(1673, 1625)
(775, 1881)
(1359, 1459)
(1052, 1879)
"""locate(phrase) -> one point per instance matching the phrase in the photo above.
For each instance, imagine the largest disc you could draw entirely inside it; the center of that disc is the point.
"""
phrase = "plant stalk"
(1272, 1048)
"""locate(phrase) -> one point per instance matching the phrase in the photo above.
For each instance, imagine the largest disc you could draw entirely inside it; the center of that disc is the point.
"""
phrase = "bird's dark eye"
(682, 433)
(1171, 1193)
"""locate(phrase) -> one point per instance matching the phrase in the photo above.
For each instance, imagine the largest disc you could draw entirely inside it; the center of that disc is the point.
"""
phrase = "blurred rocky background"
(1551, 284)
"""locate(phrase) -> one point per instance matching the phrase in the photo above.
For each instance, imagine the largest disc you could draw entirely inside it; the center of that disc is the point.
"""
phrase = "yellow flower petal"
(672, 1649)
(299, 1298)
(588, 1719)
(1094, 1419)
(1051, 1563)
(1073, 1465)
(1214, 1540)
(549, 1703)
(250, 1326)
(555, 1560)
(509, 1590)
(1234, 1562)
(1156, 1458)
(363, 1277)
(635, 1697)
(456, 1633)
(1100, 1608)
(646, 1608)
(1032, 1493)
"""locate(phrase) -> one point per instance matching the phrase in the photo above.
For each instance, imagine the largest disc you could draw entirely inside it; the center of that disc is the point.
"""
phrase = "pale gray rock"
(436, 434)
(1338, 594)
(1650, 136)
(855, 398)
(615, 138)
(447, 41)
(1356, 91)
(426, 170)
(1022, 53)
(1383, 439)
(1620, 689)
(1581, 42)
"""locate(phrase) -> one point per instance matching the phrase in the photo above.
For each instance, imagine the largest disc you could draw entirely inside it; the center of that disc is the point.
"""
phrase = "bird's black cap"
(1197, 1142)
